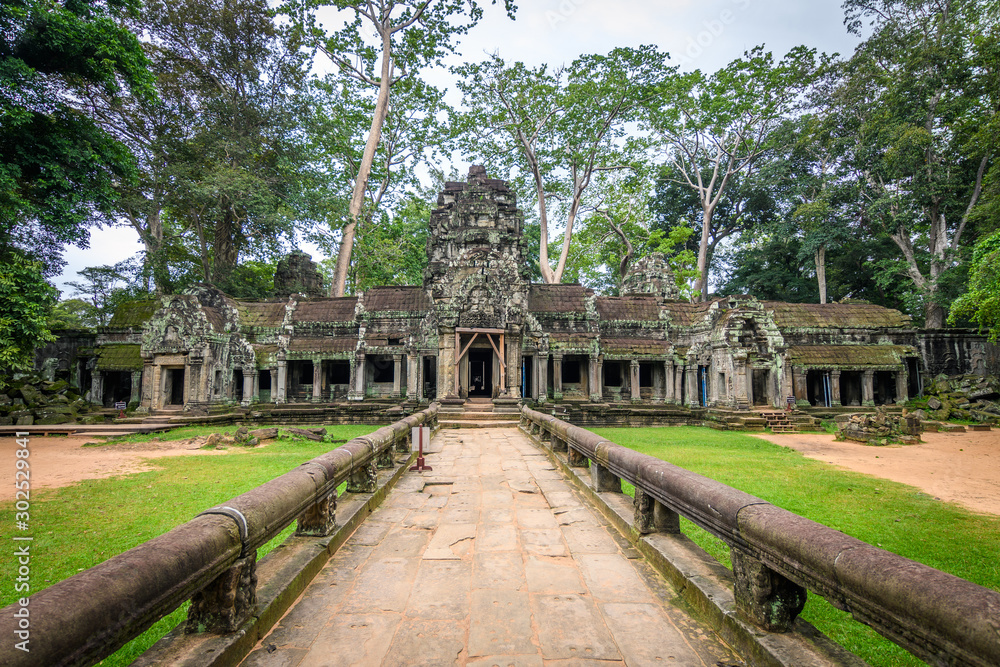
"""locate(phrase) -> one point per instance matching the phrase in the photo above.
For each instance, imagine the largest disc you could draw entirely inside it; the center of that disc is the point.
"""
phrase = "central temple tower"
(478, 283)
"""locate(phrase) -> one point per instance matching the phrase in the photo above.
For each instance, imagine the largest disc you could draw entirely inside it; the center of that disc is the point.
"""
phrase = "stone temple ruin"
(478, 327)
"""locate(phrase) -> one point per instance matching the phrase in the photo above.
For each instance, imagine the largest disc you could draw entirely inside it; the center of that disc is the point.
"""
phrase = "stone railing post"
(576, 459)
(764, 597)
(651, 516)
(558, 444)
(223, 605)
(604, 479)
(363, 480)
(384, 458)
(320, 519)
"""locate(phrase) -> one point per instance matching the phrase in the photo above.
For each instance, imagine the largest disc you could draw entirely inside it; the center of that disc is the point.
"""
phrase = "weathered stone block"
(224, 604)
(764, 597)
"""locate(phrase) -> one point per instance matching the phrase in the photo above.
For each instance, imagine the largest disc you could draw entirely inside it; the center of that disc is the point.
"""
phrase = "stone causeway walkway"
(491, 559)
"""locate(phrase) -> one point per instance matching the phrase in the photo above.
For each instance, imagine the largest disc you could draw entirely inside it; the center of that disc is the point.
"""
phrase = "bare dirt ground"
(61, 461)
(961, 468)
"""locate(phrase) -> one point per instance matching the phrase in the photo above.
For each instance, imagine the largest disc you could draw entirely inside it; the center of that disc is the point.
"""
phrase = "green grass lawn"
(893, 516)
(80, 526)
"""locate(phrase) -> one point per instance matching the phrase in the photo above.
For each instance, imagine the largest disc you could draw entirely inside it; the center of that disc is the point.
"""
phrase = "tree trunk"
(224, 250)
(821, 272)
(701, 285)
(933, 314)
(339, 286)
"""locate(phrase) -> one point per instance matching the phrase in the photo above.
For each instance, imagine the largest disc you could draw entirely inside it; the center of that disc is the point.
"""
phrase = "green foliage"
(25, 300)
(56, 165)
(72, 314)
(981, 304)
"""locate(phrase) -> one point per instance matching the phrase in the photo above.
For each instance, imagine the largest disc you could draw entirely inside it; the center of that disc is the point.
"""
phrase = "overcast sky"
(698, 34)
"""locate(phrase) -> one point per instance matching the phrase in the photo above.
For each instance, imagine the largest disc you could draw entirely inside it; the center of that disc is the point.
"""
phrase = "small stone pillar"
(603, 479)
(274, 385)
(678, 383)
(149, 376)
(136, 395)
(902, 378)
(764, 597)
(557, 361)
(596, 378)
(635, 391)
(248, 388)
(835, 388)
(223, 605)
(575, 458)
(282, 381)
(651, 516)
(868, 388)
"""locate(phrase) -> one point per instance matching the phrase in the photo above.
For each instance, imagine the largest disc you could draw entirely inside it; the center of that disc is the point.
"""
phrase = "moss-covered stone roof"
(634, 346)
(134, 313)
(579, 342)
(684, 314)
(339, 309)
(262, 314)
(322, 345)
(407, 299)
(558, 298)
(835, 315)
(119, 358)
(628, 308)
(850, 356)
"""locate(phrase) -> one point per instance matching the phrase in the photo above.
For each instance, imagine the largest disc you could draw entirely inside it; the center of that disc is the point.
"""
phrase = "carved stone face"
(170, 335)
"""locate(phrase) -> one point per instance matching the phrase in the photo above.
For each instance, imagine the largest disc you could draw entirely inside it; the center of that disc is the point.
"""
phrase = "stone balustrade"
(777, 555)
(210, 560)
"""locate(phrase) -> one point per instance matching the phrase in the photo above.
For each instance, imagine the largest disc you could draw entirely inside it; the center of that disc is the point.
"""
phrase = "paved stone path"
(490, 560)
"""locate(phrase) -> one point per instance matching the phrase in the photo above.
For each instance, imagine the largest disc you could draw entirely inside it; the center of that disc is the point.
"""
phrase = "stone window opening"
(612, 373)
(571, 371)
(217, 386)
(645, 375)
(339, 372)
(383, 369)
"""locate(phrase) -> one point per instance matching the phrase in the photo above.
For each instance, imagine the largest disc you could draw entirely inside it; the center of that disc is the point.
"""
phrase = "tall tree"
(56, 165)
(917, 99)
(381, 43)
(559, 128)
(714, 128)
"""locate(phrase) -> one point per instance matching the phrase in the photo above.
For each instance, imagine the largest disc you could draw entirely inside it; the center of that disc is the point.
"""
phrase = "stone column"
(136, 387)
(799, 385)
(512, 345)
(635, 392)
(678, 383)
(557, 359)
(596, 371)
(668, 382)
(357, 388)
(248, 377)
(149, 376)
(97, 387)
(902, 378)
(397, 372)
(543, 377)
(868, 388)
(282, 383)
(835, 389)
(317, 393)
(274, 385)
(693, 394)
(412, 377)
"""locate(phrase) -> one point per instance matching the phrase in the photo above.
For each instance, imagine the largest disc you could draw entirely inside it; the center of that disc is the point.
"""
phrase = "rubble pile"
(879, 428)
(965, 397)
(31, 400)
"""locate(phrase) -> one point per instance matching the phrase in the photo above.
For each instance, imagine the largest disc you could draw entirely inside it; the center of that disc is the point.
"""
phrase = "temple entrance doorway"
(175, 386)
(759, 386)
(481, 372)
(480, 363)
